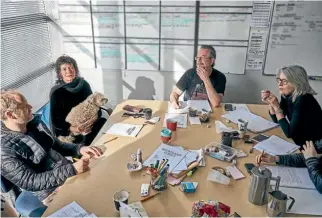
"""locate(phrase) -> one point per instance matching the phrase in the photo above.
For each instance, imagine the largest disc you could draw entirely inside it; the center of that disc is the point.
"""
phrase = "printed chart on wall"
(295, 35)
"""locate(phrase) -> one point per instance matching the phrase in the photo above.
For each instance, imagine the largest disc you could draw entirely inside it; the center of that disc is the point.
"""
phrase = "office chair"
(26, 204)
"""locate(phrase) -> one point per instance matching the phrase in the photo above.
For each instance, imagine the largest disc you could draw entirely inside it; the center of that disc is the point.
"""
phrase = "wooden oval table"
(93, 190)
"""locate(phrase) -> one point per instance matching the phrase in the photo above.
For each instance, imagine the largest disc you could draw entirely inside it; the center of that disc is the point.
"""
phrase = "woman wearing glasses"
(298, 113)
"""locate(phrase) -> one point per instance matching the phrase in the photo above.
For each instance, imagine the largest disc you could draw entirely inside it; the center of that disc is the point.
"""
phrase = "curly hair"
(64, 59)
(9, 103)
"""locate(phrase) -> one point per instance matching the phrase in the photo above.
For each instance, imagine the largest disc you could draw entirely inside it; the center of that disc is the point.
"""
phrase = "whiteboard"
(133, 40)
(82, 52)
(142, 56)
(224, 26)
(139, 23)
(180, 26)
(296, 37)
(177, 58)
(226, 3)
(231, 59)
(108, 25)
(110, 56)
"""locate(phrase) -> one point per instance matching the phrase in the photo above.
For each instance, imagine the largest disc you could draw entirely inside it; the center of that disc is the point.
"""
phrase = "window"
(26, 57)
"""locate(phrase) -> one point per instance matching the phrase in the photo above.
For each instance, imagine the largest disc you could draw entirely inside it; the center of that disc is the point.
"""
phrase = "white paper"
(241, 107)
(91, 215)
(200, 105)
(180, 118)
(261, 13)
(293, 177)
(257, 49)
(153, 120)
(307, 201)
(183, 109)
(276, 146)
(220, 127)
(196, 104)
(135, 209)
(174, 155)
(255, 123)
(71, 210)
(124, 129)
(201, 157)
(194, 121)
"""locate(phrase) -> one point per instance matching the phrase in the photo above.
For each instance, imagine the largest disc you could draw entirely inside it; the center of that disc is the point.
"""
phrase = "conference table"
(94, 189)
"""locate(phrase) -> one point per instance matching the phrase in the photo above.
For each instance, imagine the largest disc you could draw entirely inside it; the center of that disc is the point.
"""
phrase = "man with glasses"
(201, 83)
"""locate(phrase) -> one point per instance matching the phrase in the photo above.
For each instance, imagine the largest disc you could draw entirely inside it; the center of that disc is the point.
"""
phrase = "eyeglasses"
(282, 81)
(202, 58)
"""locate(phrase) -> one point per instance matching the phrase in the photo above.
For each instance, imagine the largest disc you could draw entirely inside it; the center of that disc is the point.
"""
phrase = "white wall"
(117, 85)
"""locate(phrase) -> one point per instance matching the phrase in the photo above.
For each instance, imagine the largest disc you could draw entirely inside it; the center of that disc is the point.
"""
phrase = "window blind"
(26, 57)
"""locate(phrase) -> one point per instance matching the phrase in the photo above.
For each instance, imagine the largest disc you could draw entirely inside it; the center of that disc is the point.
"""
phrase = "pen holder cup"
(158, 183)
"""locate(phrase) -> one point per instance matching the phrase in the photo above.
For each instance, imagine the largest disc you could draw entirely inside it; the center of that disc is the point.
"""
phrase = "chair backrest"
(45, 114)
(6, 185)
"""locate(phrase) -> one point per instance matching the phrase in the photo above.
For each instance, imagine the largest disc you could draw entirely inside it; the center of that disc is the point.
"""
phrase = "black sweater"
(63, 98)
(305, 116)
(313, 164)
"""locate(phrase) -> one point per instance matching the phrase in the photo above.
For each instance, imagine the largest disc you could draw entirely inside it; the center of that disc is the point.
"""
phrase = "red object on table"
(172, 124)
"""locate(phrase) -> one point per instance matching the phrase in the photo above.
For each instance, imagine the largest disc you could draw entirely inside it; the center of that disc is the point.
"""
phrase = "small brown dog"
(83, 113)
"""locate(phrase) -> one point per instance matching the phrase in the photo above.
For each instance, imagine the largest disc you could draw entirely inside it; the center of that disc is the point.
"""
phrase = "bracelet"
(279, 111)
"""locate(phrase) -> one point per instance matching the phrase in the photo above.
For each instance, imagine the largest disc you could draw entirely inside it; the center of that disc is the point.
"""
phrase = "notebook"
(256, 123)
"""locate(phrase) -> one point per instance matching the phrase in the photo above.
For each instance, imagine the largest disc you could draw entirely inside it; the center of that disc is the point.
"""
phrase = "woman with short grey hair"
(298, 113)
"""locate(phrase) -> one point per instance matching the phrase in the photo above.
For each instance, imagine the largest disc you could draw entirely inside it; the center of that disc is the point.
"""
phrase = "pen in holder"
(159, 174)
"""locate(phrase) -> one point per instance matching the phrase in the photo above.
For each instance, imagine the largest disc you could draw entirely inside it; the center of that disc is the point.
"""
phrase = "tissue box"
(188, 187)
(210, 209)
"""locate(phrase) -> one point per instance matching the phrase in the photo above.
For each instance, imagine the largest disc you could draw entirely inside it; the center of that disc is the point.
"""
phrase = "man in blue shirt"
(201, 83)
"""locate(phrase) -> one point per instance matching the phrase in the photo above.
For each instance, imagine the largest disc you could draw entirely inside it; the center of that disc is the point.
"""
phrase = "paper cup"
(172, 124)
(242, 127)
(120, 196)
(166, 135)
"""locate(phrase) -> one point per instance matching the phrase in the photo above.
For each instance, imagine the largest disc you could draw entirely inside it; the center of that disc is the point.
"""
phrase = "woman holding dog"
(69, 91)
(298, 113)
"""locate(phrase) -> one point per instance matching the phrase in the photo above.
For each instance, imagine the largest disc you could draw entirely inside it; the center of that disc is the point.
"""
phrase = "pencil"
(112, 139)
(75, 159)
(260, 160)
(151, 196)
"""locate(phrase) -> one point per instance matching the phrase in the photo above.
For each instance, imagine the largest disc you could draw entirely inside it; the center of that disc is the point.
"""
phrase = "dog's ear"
(100, 99)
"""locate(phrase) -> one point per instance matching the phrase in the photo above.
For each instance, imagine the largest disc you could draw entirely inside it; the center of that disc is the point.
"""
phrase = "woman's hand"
(309, 150)
(265, 94)
(267, 158)
(273, 101)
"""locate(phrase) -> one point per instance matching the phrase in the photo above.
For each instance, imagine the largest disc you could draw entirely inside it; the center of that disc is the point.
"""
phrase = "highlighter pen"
(156, 165)
(161, 164)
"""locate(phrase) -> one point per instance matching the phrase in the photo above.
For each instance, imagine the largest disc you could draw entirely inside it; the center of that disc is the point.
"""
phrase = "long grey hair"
(297, 76)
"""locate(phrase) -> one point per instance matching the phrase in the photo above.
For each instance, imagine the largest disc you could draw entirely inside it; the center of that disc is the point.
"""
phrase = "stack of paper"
(124, 129)
(292, 177)
(200, 105)
(135, 209)
(255, 123)
(178, 159)
(72, 210)
(296, 183)
(307, 201)
(180, 118)
(276, 146)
